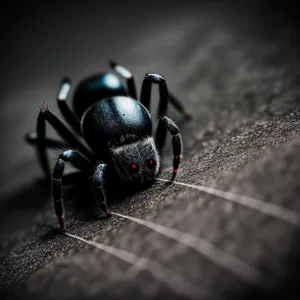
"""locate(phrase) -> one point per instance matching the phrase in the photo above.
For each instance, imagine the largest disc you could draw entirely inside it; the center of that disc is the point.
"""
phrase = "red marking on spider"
(108, 212)
(60, 217)
(175, 170)
(151, 162)
(177, 156)
(63, 229)
(133, 166)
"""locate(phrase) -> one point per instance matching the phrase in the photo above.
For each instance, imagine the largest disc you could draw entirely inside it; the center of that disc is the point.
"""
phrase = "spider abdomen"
(113, 122)
(95, 88)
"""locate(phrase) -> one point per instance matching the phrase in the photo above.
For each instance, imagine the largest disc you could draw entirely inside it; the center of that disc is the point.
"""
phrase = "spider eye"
(151, 163)
(134, 168)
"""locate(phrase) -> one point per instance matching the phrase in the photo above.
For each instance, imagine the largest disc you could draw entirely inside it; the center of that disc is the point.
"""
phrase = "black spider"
(117, 128)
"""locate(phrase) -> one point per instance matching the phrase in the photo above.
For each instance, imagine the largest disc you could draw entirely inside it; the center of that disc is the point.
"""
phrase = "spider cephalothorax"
(136, 162)
(116, 127)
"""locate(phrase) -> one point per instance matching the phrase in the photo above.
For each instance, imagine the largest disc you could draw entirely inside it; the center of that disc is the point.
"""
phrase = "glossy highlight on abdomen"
(95, 88)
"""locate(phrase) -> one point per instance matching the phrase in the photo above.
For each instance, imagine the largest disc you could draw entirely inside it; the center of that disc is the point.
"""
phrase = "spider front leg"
(164, 94)
(77, 160)
(176, 141)
(163, 104)
(165, 123)
(98, 186)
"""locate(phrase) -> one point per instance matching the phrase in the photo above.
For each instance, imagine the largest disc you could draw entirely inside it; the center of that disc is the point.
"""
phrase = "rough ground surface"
(237, 69)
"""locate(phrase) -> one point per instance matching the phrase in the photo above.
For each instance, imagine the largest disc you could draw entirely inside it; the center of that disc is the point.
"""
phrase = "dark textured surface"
(237, 69)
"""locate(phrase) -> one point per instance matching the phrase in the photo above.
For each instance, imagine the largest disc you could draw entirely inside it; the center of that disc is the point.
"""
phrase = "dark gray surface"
(237, 70)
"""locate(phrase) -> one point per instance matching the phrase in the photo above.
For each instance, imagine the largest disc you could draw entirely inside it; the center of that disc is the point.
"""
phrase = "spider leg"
(163, 104)
(165, 95)
(176, 141)
(62, 130)
(98, 186)
(77, 160)
(31, 139)
(176, 103)
(125, 73)
(67, 113)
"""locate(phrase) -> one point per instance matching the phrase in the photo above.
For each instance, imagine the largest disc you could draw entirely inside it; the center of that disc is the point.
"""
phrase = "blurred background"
(234, 64)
